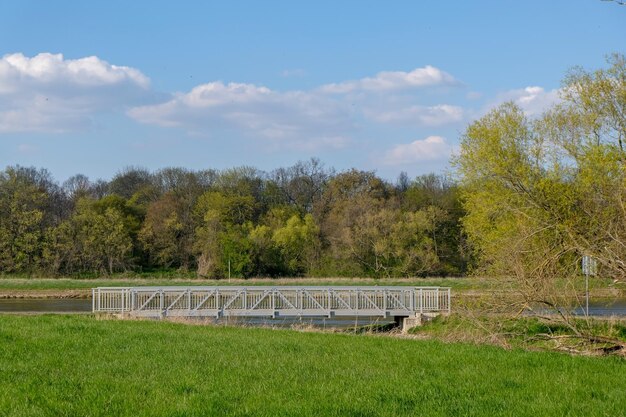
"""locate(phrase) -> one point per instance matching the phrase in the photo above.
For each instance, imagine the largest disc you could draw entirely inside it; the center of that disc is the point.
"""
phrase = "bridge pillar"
(405, 323)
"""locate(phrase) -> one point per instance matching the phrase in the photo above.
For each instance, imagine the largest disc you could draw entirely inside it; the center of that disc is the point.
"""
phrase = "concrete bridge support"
(406, 323)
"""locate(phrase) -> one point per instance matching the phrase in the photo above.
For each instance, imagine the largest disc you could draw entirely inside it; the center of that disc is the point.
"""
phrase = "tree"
(77, 186)
(540, 194)
(439, 196)
(224, 220)
(129, 181)
(164, 234)
(347, 198)
(302, 184)
(95, 239)
(298, 241)
(167, 234)
(30, 203)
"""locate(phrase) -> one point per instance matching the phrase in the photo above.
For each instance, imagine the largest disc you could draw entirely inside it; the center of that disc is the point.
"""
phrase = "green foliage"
(24, 217)
(541, 193)
(167, 233)
(304, 220)
(95, 238)
(297, 241)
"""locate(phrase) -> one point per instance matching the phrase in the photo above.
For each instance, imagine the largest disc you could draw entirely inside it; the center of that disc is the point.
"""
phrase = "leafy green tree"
(541, 193)
(27, 198)
(441, 197)
(298, 244)
(266, 255)
(95, 239)
(164, 234)
(414, 243)
(224, 219)
(167, 233)
(348, 197)
(236, 251)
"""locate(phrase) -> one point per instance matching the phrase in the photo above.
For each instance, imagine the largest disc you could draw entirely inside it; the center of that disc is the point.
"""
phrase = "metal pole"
(587, 293)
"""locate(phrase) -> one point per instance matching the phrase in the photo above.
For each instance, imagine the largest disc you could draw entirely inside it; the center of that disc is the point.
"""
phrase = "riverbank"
(81, 288)
(78, 365)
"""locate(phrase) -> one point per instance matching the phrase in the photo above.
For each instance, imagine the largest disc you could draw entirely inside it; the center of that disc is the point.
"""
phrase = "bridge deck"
(283, 301)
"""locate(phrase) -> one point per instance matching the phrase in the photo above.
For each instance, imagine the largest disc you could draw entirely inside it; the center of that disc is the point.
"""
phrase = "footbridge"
(280, 301)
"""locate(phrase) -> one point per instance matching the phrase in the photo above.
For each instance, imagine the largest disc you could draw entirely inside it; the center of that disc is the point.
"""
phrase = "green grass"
(80, 366)
(73, 283)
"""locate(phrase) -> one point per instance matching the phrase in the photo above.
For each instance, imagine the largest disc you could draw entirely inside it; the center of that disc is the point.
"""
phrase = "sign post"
(590, 267)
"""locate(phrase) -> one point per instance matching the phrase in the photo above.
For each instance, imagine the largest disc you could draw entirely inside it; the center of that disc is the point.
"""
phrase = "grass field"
(8, 283)
(80, 366)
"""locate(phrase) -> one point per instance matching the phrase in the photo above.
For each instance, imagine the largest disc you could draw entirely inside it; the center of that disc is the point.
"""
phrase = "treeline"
(304, 220)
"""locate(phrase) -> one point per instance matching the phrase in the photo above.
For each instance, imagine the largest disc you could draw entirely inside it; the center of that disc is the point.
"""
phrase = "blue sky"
(93, 87)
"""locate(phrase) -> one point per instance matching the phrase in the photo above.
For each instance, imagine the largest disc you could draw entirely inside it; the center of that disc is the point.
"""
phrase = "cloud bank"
(254, 110)
(327, 115)
(48, 93)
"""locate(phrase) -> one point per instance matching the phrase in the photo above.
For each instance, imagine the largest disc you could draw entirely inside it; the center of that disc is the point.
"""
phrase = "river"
(598, 307)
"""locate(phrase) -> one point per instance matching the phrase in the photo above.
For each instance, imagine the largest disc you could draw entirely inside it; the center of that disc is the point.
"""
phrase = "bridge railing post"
(421, 293)
(385, 301)
(328, 305)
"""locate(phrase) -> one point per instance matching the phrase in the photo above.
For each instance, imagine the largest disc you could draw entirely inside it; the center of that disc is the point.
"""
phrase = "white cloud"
(303, 119)
(46, 69)
(49, 93)
(393, 80)
(433, 148)
(255, 110)
(52, 94)
(419, 115)
(532, 100)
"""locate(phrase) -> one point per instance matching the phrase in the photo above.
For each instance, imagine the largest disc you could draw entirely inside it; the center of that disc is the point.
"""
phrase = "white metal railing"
(271, 301)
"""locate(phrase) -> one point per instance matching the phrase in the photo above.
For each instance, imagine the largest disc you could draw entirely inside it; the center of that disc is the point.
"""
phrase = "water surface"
(598, 307)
